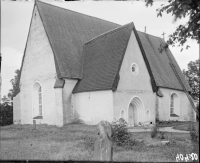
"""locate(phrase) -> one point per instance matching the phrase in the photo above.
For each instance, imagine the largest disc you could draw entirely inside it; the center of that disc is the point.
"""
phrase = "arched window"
(147, 115)
(37, 100)
(40, 100)
(123, 114)
(174, 105)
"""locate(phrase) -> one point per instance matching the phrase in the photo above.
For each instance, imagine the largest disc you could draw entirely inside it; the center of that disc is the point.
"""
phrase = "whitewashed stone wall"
(131, 86)
(93, 107)
(38, 66)
(67, 100)
(17, 109)
(164, 105)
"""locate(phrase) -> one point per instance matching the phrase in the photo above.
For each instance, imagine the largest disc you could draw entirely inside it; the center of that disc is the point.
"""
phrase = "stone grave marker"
(103, 150)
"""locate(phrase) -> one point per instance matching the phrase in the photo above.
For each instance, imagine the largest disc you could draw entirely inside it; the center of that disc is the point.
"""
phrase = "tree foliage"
(4, 99)
(193, 77)
(189, 9)
(6, 116)
(15, 88)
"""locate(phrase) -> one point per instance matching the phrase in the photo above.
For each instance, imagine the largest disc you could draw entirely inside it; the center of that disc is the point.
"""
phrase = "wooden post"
(103, 150)
(34, 124)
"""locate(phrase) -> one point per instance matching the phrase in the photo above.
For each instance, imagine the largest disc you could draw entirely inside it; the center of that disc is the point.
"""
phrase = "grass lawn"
(185, 127)
(76, 142)
(172, 123)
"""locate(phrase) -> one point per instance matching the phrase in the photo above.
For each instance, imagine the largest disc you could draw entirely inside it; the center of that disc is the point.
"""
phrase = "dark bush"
(154, 131)
(194, 130)
(161, 135)
(194, 134)
(121, 135)
(6, 114)
(197, 115)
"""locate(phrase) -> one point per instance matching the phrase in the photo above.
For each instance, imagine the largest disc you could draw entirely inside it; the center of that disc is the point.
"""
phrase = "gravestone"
(103, 150)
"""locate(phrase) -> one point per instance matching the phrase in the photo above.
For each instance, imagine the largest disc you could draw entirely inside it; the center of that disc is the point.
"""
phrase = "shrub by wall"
(6, 114)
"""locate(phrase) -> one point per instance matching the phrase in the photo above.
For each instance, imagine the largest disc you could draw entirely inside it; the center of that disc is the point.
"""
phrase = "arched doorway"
(132, 117)
(136, 112)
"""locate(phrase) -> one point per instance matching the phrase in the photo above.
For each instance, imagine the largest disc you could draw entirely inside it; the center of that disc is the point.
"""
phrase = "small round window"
(134, 69)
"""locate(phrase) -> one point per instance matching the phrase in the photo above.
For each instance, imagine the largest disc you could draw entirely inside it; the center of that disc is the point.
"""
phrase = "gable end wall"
(131, 86)
(38, 65)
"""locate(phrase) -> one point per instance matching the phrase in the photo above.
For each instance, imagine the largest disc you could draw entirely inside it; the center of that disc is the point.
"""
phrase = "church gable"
(38, 60)
(102, 59)
(38, 73)
(133, 73)
(67, 32)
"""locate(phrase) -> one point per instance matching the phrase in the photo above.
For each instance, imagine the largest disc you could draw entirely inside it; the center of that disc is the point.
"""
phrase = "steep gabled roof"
(100, 72)
(160, 63)
(67, 32)
(102, 58)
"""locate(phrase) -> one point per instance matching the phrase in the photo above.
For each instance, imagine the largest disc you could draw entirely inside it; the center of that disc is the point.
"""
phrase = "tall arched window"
(147, 115)
(37, 100)
(40, 100)
(174, 105)
(123, 114)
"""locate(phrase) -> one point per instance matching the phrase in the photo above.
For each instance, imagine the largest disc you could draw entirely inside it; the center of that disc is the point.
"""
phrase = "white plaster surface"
(131, 86)
(67, 100)
(93, 107)
(38, 66)
(59, 106)
(17, 109)
(164, 106)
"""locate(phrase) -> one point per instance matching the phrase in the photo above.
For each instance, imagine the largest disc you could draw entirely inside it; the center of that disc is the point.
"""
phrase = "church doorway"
(136, 112)
(132, 115)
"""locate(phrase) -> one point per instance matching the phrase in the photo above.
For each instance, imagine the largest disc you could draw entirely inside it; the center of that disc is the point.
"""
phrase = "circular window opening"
(134, 69)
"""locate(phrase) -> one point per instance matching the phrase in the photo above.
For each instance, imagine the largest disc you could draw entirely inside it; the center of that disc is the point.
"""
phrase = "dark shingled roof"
(67, 32)
(102, 60)
(160, 64)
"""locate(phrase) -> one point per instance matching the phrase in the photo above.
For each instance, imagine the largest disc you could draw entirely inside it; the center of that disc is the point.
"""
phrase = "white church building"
(80, 67)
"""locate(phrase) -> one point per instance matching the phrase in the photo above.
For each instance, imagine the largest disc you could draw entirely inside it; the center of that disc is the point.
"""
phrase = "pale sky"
(16, 17)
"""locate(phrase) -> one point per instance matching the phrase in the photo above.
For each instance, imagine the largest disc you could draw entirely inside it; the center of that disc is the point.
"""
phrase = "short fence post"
(34, 124)
(103, 150)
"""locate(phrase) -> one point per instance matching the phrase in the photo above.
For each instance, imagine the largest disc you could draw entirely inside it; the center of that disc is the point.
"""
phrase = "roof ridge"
(75, 12)
(109, 32)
